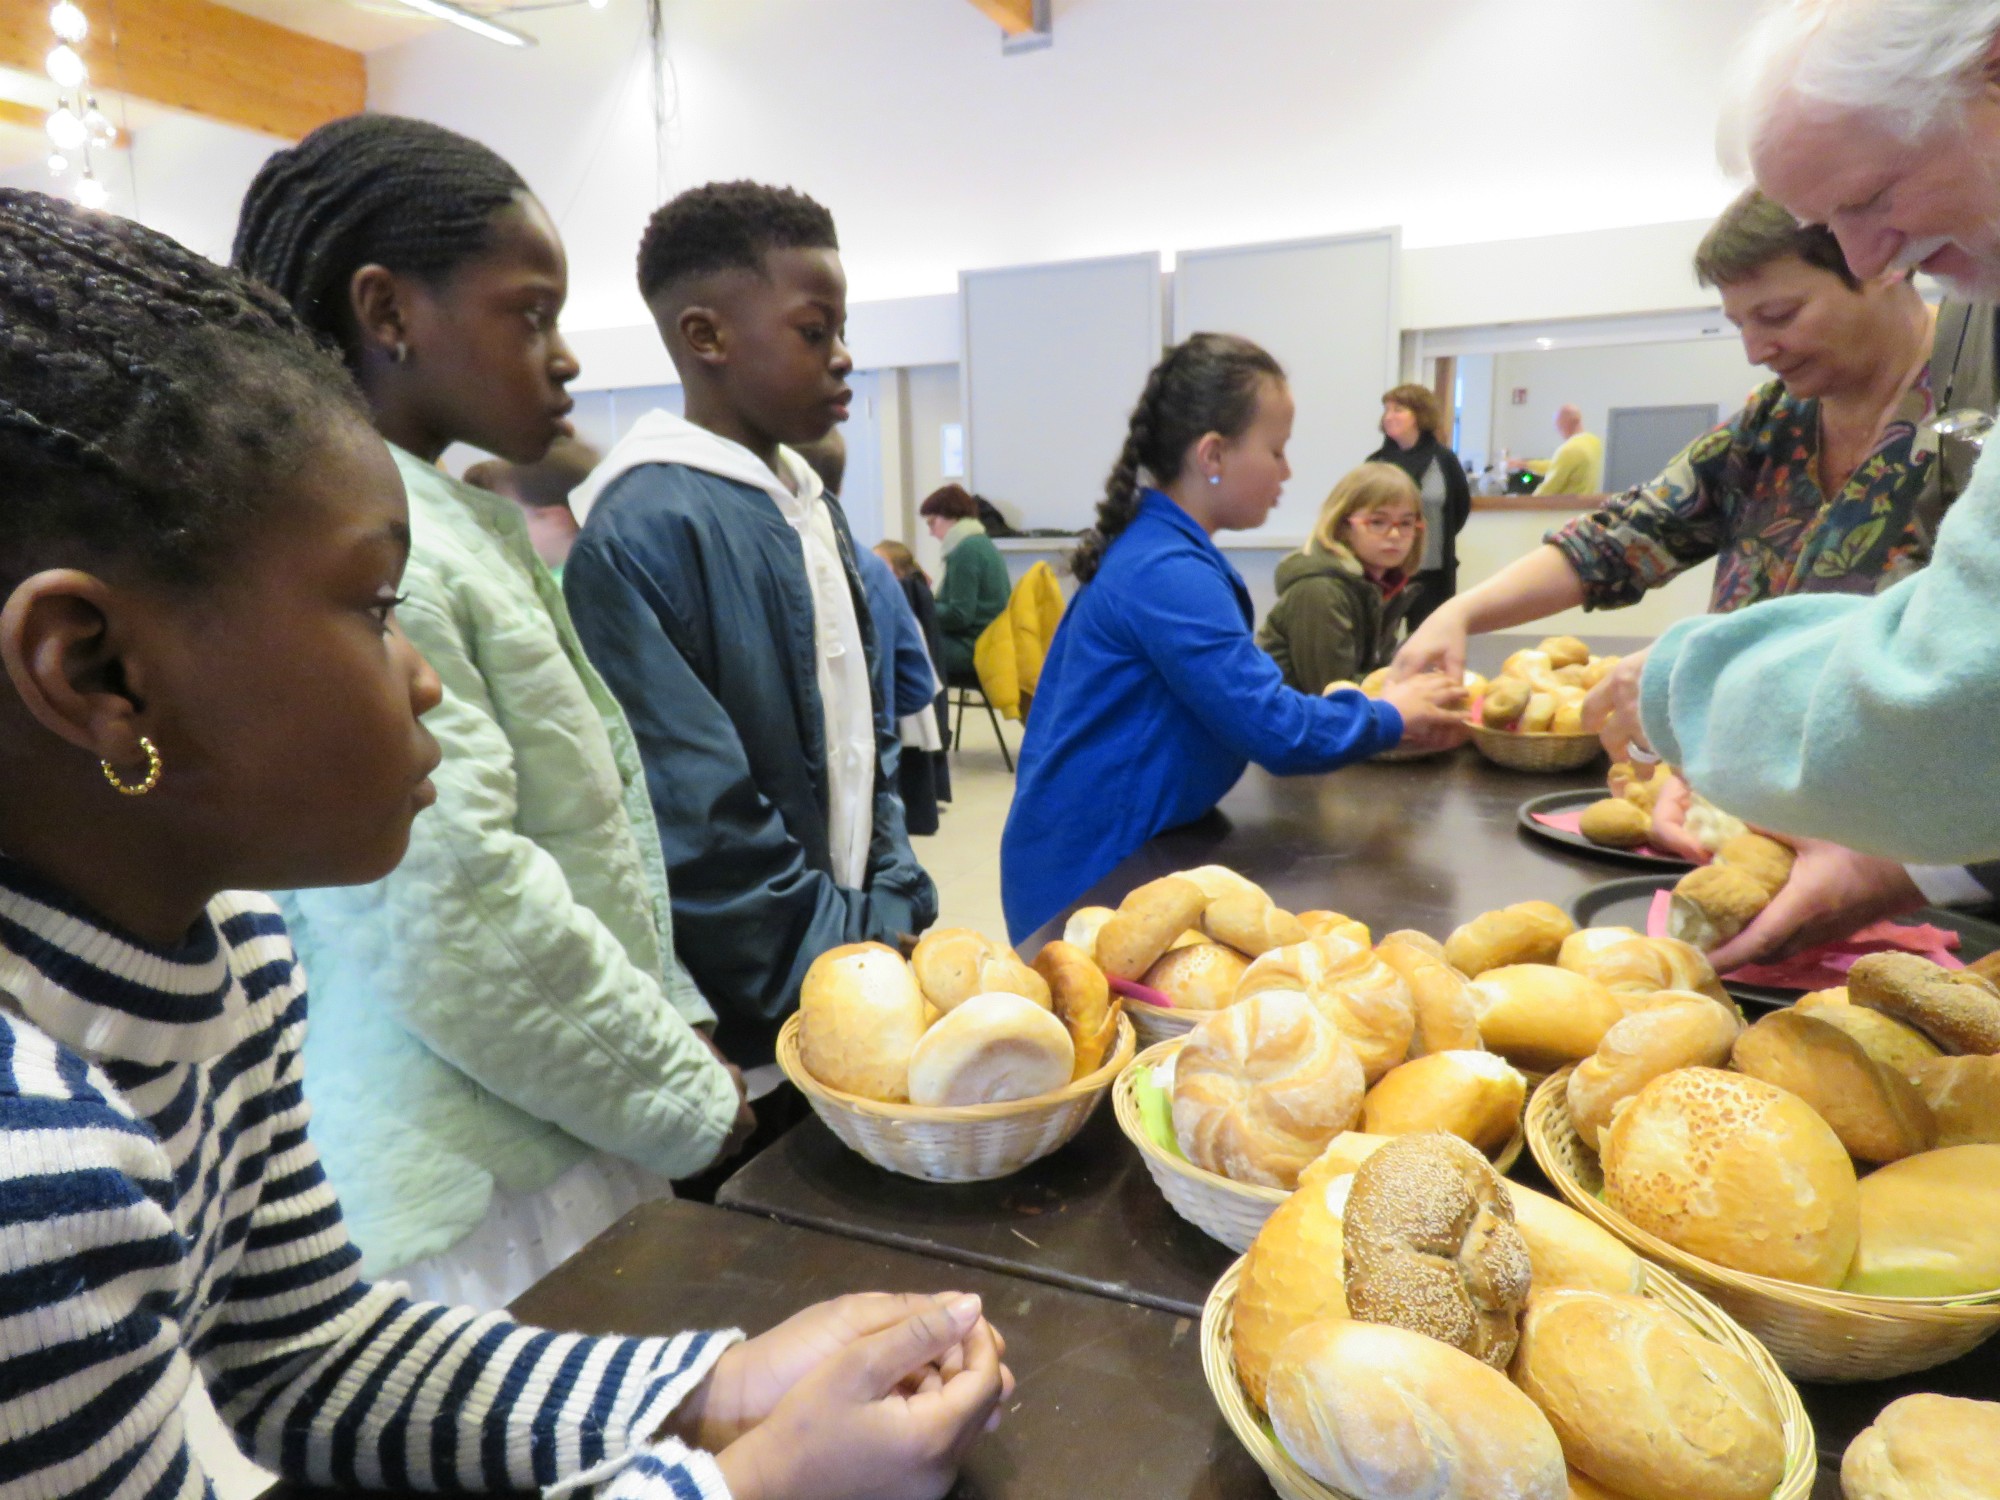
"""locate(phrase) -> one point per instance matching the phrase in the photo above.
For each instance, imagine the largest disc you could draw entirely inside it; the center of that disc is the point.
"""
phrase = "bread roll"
(1964, 1097)
(1261, 1088)
(1616, 823)
(1708, 825)
(1889, 1041)
(1764, 860)
(1986, 967)
(1219, 881)
(1082, 1001)
(1569, 720)
(1528, 665)
(1566, 1250)
(1958, 1011)
(1930, 1226)
(1290, 1277)
(1877, 1113)
(1736, 1171)
(947, 962)
(1382, 1414)
(1446, 1020)
(1081, 930)
(1530, 932)
(1359, 993)
(1504, 703)
(1331, 924)
(1540, 1017)
(1693, 1033)
(1629, 963)
(1539, 716)
(1430, 1245)
(1201, 976)
(860, 1018)
(1926, 1447)
(1004, 973)
(1250, 924)
(1347, 1151)
(991, 1049)
(1583, 1487)
(1564, 651)
(1475, 1096)
(1145, 925)
(1713, 903)
(1645, 1402)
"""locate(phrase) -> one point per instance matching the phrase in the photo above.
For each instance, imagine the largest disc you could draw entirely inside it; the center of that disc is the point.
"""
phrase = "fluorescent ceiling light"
(493, 31)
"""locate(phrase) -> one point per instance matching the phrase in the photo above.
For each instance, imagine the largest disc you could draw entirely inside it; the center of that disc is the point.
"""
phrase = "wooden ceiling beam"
(200, 57)
(23, 116)
(1015, 17)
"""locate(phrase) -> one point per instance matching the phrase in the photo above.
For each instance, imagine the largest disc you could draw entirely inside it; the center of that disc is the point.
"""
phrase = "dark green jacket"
(973, 594)
(1330, 623)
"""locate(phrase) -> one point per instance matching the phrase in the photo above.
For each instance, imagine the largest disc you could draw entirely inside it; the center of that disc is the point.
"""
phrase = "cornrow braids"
(728, 226)
(368, 190)
(149, 399)
(1209, 383)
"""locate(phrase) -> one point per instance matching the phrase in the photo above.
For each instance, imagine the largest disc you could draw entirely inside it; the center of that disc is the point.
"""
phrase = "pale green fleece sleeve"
(1874, 722)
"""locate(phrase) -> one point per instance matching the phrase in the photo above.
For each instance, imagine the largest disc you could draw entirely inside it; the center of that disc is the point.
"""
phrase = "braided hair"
(150, 401)
(368, 190)
(1209, 383)
(727, 226)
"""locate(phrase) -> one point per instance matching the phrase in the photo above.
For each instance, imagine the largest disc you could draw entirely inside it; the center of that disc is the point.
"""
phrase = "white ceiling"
(363, 25)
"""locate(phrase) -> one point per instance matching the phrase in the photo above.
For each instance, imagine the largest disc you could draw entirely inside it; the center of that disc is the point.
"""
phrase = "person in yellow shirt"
(1578, 467)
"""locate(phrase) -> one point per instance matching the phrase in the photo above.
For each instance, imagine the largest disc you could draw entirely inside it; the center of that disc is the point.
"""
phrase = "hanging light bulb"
(91, 193)
(95, 121)
(68, 22)
(66, 67)
(66, 131)
(58, 164)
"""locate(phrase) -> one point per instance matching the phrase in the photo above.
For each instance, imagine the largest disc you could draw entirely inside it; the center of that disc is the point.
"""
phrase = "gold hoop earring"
(152, 772)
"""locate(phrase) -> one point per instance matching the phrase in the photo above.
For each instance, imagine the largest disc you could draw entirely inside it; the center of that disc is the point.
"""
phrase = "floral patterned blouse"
(1747, 495)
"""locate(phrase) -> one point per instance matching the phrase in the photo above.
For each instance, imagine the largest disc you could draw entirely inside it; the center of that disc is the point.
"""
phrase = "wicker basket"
(1294, 1483)
(1536, 752)
(1156, 1023)
(1815, 1334)
(1231, 1212)
(968, 1143)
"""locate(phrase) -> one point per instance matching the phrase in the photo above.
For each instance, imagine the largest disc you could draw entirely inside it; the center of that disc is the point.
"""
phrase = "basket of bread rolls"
(1375, 681)
(1416, 1325)
(1530, 718)
(1829, 1175)
(960, 1065)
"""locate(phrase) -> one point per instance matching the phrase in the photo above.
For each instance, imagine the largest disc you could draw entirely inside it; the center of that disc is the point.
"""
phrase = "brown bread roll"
(1564, 651)
(1446, 1020)
(1889, 1041)
(989, 1050)
(1616, 823)
(1930, 1226)
(1964, 1097)
(1261, 1088)
(1504, 703)
(861, 1016)
(1201, 976)
(1530, 932)
(1877, 1113)
(1145, 925)
(1082, 1001)
(1958, 1011)
(947, 962)
(1925, 1447)
(1250, 924)
(1430, 1245)
(1764, 860)
(1713, 903)
(1476, 1096)
(1695, 1032)
(1645, 1402)
(1540, 1017)
(1736, 1171)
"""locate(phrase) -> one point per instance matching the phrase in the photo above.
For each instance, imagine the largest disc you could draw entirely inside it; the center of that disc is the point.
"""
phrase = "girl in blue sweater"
(1155, 695)
(206, 693)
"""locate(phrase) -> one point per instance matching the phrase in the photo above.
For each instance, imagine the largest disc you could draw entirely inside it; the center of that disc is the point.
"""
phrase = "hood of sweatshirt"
(660, 437)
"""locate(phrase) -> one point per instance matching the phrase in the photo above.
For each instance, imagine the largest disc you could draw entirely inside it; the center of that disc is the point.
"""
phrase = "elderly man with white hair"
(1874, 722)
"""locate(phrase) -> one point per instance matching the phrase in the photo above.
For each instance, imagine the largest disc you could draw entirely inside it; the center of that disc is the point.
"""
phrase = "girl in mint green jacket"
(512, 987)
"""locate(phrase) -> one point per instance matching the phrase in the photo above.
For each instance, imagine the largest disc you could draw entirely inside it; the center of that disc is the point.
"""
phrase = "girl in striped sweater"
(200, 543)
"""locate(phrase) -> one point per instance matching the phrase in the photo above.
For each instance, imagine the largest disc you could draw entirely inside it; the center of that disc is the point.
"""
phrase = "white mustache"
(1916, 252)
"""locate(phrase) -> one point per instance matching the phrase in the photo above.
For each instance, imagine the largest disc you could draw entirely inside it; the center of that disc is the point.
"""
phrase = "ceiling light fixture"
(76, 125)
(493, 31)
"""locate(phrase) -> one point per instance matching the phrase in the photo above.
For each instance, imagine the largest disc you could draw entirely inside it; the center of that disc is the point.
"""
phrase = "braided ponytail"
(1209, 383)
(149, 400)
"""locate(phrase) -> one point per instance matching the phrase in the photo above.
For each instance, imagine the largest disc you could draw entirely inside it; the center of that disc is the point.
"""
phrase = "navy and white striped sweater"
(161, 1206)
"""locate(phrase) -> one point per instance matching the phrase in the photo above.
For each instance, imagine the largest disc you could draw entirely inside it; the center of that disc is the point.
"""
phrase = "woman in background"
(1413, 432)
(975, 588)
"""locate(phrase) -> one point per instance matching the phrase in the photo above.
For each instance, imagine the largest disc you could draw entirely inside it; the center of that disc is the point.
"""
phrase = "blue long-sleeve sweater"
(1152, 701)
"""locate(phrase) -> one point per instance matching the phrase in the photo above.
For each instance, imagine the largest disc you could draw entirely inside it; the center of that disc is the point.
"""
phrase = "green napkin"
(1156, 1113)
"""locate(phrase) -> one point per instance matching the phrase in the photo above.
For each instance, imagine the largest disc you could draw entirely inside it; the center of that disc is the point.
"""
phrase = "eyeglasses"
(1384, 526)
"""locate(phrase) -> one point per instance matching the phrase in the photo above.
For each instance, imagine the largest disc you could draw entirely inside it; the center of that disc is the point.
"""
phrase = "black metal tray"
(1575, 800)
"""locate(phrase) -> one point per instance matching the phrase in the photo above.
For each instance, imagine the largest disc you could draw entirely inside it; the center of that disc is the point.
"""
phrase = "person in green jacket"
(1343, 597)
(975, 588)
(504, 1056)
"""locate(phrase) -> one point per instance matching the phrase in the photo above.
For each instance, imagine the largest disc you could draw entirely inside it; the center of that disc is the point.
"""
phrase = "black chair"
(963, 689)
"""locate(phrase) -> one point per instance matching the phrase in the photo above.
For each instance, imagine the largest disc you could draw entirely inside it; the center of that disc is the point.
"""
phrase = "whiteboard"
(1055, 358)
(1327, 308)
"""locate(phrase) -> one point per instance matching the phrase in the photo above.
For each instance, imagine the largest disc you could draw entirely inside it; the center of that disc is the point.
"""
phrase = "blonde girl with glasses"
(1344, 597)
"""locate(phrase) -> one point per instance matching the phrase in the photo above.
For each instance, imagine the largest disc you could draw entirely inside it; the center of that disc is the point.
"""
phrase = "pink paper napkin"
(1140, 992)
(1825, 967)
(1572, 822)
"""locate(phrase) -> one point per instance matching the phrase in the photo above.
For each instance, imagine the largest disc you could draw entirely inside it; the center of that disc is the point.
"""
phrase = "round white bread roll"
(1199, 976)
(1737, 1171)
(1930, 1226)
(1567, 1250)
(1540, 1017)
(1261, 1087)
(947, 962)
(860, 1017)
(1629, 963)
(991, 1049)
(1476, 1096)
(1926, 1447)
(1359, 993)
(1694, 1032)
(1646, 1403)
(1380, 1413)
(1081, 930)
